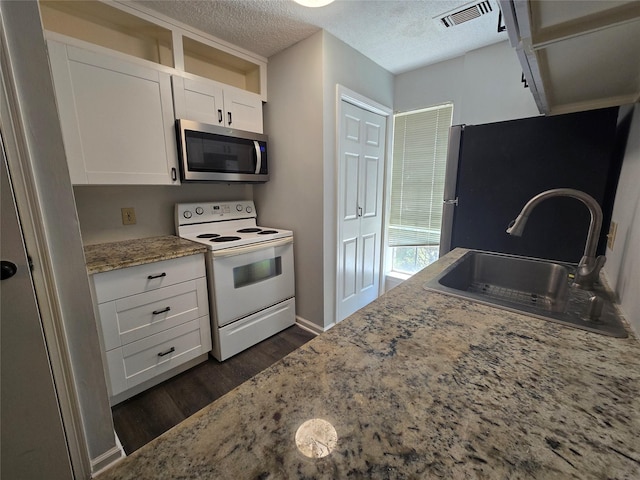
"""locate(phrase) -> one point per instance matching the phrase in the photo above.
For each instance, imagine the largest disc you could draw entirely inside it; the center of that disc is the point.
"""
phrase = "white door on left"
(33, 442)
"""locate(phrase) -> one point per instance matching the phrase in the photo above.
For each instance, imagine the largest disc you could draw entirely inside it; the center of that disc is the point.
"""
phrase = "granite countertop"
(421, 385)
(104, 257)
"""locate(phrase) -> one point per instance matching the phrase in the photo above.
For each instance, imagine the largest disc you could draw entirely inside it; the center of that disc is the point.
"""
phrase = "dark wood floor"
(146, 416)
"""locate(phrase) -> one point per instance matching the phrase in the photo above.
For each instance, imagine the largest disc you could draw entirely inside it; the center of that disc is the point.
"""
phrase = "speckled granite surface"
(112, 256)
(420, 385)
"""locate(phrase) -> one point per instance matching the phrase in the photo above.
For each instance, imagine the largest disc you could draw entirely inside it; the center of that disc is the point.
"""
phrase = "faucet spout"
(589, 266)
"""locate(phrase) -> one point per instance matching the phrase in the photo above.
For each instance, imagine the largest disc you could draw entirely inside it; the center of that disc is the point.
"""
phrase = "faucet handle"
(594, 308)
(588, 271)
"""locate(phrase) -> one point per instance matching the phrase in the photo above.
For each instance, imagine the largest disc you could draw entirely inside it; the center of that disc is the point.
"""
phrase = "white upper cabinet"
(217, 104)
(243, 110)
(130, 29)
(113, 64)
(117, 118)
(577, 55)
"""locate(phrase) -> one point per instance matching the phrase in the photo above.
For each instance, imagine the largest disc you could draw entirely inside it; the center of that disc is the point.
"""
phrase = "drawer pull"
(160, 275)
(158, 312)
(171, 350)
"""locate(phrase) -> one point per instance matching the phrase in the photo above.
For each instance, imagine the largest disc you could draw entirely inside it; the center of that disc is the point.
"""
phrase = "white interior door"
(361, 149)
(33, 443)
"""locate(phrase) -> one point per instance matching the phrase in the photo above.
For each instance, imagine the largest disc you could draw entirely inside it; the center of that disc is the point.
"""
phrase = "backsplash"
(99, 208)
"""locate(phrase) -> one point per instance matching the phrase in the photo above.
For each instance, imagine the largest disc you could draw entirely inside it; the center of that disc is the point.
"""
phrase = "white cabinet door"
(360, 181)
(243, 110)
(209, 102)
(198, 100)
(117, 118)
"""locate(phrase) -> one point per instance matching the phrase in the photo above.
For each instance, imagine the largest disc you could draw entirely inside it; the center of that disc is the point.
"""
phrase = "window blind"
(420, 142)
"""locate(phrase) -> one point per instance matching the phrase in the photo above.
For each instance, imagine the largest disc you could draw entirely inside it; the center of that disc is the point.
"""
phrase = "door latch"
(9, 269)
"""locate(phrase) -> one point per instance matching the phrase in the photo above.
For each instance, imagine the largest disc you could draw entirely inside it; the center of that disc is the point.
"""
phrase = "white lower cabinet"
(145, 359)
(153, 321)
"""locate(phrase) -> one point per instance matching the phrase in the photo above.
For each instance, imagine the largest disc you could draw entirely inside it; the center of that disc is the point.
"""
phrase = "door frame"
(27, 449)
(345, 94)
(39, 175)
(61, 368)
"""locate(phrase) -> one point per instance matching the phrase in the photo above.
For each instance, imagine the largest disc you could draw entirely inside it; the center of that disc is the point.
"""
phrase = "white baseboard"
(309, 326)
(107, 459)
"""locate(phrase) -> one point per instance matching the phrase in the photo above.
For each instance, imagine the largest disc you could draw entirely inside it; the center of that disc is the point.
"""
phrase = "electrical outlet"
(128, 216)
(611, 237)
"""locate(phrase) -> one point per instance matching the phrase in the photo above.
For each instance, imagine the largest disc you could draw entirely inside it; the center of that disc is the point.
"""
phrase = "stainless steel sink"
(531, 286)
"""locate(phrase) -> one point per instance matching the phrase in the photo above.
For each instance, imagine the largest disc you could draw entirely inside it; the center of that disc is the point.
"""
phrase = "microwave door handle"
(256, 146)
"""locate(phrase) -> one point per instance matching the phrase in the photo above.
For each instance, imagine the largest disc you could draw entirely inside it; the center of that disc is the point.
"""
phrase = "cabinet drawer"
(132, 318)
(143, 278)
(140, 361)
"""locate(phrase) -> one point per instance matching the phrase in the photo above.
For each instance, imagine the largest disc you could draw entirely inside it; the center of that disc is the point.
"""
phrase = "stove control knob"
(239, 207)
(199, 210)
(187, 214)
(249, 209)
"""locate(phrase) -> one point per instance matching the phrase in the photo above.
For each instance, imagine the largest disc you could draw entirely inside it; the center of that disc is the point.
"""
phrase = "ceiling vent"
(466, 14)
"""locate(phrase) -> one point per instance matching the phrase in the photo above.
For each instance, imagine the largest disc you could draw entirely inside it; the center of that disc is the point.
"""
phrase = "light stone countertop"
(104, 257)
(422, 385)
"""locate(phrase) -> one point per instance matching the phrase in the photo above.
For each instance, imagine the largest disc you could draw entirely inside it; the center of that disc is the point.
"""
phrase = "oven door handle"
(228, 252)
(256, 146)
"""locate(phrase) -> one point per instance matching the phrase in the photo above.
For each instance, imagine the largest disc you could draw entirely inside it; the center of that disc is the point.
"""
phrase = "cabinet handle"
(174, 174)
(229, 117)
(151, 277)
(171, 350)
(158, 312)
(359, 211)
(219, 116)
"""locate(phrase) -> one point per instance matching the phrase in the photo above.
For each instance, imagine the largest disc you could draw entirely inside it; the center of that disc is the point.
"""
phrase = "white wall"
(293, 197)
(432, 85)
(349, 68)
(484, 86)
(623, 261)
(101, 219)
(300, 119)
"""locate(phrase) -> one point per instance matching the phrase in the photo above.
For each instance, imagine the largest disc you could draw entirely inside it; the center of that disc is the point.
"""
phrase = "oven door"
(251, 278)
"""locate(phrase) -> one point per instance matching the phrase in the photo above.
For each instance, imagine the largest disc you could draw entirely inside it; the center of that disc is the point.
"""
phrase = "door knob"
(8, 270)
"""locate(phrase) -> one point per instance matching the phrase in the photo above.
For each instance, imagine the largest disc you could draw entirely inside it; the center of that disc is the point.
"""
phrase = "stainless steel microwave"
(211, 153)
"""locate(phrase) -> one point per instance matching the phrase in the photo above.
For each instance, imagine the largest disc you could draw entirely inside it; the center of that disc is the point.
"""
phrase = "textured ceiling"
(399, 35)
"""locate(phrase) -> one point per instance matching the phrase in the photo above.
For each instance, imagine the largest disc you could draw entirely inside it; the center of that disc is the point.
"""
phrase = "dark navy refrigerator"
(494, 169)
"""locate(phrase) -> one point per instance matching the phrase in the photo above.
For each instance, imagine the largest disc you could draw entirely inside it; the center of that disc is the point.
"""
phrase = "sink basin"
(535, 287)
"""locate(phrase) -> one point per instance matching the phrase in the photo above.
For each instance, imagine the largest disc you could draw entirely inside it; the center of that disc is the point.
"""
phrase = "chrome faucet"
(589, 267)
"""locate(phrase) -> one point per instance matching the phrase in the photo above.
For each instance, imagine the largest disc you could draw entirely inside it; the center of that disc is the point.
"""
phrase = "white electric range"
(249, 272)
